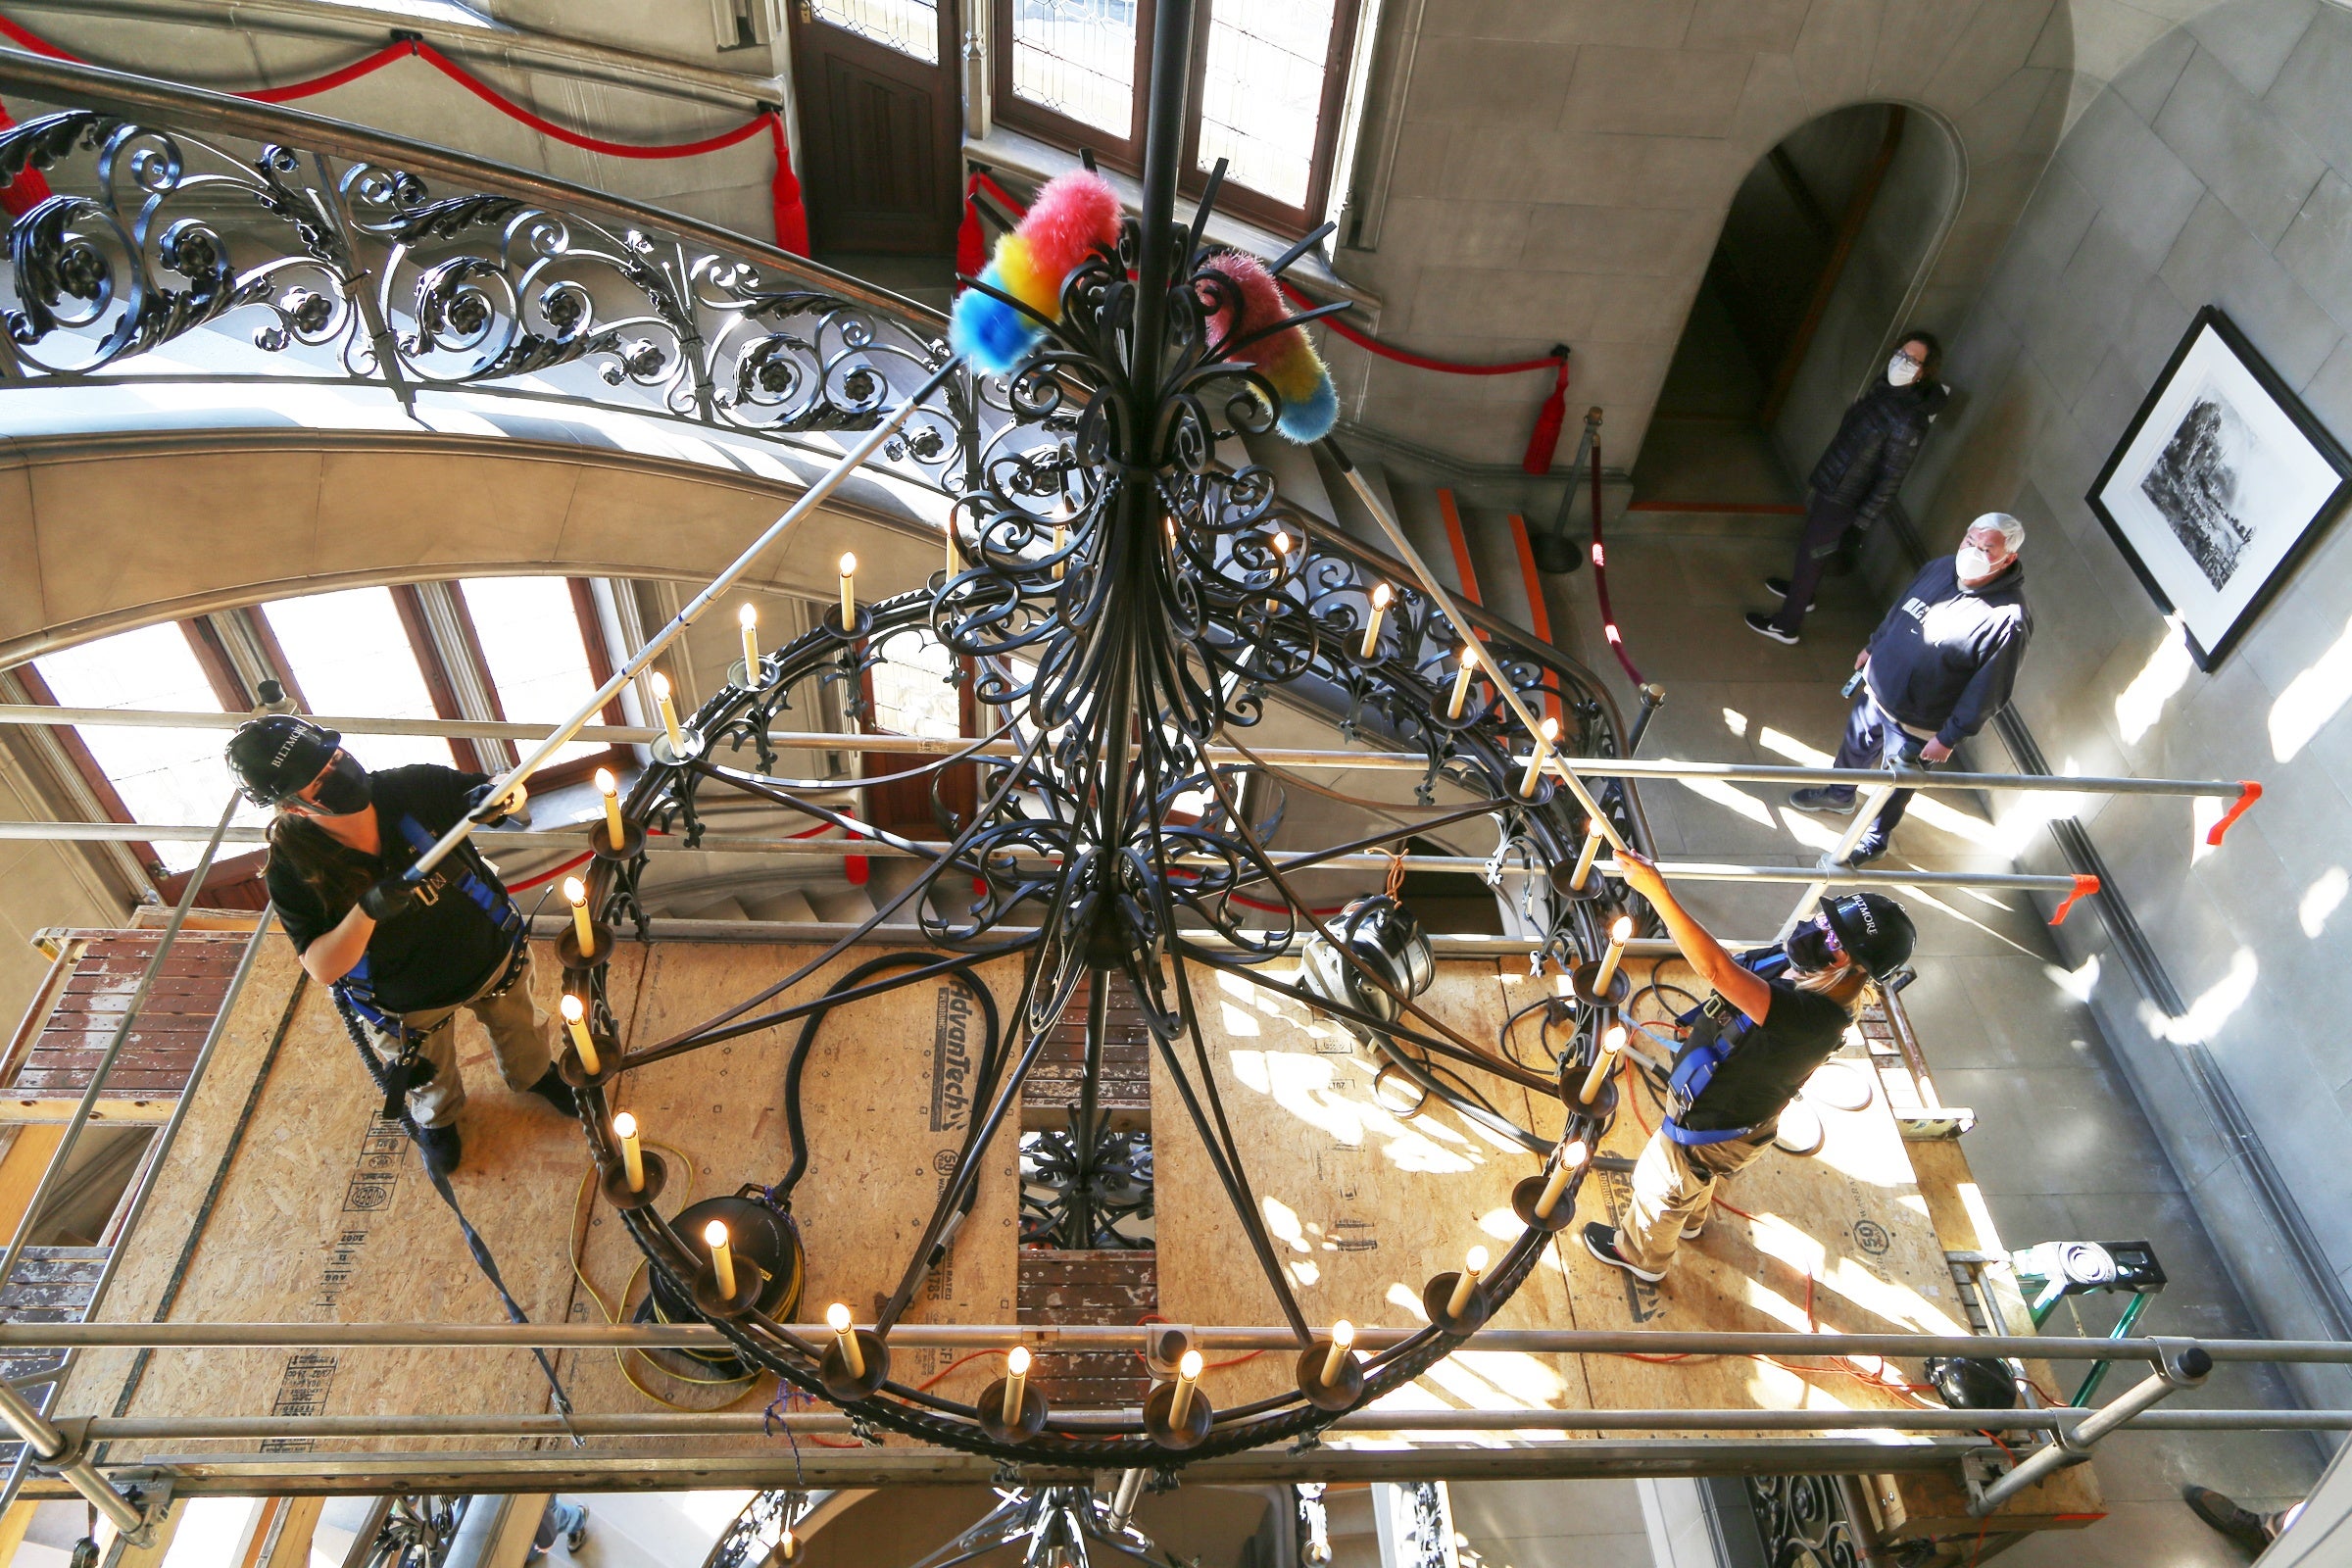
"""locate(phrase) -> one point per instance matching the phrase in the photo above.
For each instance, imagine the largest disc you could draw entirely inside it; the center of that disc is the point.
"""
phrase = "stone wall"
(2213, 170)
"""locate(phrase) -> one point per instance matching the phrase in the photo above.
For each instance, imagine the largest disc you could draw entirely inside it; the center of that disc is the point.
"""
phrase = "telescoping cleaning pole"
(819, 493)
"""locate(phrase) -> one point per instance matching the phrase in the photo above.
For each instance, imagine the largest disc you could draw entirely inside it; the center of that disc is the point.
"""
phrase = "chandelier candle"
(1585, 857)
(853, 1355)
(849, 590)
(606, 786)
(1619, 935)
(1563, 1170)
(1465, 672)
(669, 714)
(1342, 1335)
(1016, 1381)
(722, 1257)
(1188, 1373)
(1061, 540)
(575, 893)
(1381, 595)
(575, 1019)
(749, 619)
(632, 1153)
(1604, 1064)
(1534, 760)
(1465, 1282)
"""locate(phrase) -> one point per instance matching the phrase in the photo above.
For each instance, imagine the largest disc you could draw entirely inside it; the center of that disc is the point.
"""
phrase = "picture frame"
(2219, 485)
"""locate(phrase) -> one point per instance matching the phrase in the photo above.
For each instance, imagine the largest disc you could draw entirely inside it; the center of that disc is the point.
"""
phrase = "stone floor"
(2061, 1149)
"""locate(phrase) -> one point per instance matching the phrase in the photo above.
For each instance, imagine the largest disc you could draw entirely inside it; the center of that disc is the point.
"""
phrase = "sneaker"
(1778, 587)
(441, 1149)
(2241, 1525)
(1869, 850)
(1827, 798)
(1762, 624)
(1691, 1233)
(1601, 1241)
(552, 1087)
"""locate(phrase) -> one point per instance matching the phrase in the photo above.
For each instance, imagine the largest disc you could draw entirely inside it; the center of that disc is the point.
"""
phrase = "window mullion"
(428, 619)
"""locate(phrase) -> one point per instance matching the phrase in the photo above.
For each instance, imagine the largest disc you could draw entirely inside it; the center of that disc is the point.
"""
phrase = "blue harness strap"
(1695, 1068)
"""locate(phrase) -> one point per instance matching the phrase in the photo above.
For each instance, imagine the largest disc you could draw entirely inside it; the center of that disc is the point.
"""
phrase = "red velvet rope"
(791, 217)
(1389, 351)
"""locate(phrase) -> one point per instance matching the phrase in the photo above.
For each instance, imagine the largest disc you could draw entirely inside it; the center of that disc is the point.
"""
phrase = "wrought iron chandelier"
(1122, 598)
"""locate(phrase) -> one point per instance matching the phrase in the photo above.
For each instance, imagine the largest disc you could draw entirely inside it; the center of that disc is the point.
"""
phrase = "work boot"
(552, 1087)
(1601, 1241)
(1872, 846)
(1835, 798)
(1778, 587)
(1762, 624)
(2241, 1525)
(441, 1149)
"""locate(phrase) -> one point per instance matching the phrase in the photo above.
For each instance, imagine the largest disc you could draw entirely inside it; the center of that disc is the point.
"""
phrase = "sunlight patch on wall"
(2320, 899)
(2206, 1016)
(2312, 699)
(2077, 983)
(1735, 720)
(2142, 702)
(1726, 796)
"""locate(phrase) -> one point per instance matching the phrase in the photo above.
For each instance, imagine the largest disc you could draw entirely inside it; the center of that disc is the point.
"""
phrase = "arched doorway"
(1817, 267)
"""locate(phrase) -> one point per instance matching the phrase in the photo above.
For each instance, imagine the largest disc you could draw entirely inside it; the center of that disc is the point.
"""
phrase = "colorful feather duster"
(1072, 215)
(1288, 358)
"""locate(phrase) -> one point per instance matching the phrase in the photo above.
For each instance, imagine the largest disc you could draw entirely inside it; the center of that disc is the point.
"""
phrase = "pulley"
(1387, 938)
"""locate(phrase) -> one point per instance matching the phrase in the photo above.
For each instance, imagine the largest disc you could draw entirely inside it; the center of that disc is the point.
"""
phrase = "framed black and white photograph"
(2220, 482)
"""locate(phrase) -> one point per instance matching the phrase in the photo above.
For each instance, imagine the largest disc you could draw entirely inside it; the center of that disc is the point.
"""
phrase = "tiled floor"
(2061, 1149)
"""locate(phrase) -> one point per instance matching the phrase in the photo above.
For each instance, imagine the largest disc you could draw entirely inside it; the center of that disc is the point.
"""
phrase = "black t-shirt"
(447, 943)
(1801, 1030)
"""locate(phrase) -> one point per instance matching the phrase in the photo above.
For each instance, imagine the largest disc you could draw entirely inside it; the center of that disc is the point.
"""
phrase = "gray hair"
(2013, 532)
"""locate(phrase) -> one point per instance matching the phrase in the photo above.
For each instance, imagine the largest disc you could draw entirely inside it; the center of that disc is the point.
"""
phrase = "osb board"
(886, 1096)
(323, 1215)
(1363, 1205)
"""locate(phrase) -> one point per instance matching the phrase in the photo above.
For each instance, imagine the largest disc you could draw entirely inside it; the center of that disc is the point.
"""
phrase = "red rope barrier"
(791, 217)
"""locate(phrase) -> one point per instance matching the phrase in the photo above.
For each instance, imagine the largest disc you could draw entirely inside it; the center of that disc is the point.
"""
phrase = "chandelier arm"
(1406, 1006)
(1291, 779)
(800, 1009)
(1385, 1037)
(1236, 1194)
(822, 786)
(865, 928)
(1303, 863)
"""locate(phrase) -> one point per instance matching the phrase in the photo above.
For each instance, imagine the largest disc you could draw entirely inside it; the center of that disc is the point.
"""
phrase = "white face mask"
(1901, 370)
(1973, 565)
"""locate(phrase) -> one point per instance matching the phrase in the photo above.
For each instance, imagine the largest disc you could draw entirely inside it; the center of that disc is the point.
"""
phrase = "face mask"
(1901, 370)
(1808, 945)
(1973, 565)
(342, 790)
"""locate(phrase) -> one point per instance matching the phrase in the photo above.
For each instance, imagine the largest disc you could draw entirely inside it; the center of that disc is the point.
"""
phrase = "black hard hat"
(1873, 929)
(278, 756)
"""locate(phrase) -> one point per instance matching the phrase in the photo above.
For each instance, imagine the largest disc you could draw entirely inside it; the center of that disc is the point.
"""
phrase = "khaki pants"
(518, 1032)
(1674, 1189)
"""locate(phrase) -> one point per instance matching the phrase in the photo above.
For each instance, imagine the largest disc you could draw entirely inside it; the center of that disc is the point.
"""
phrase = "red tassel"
(792, 219)
(1544, 443)
(971, 241)
(29, 189)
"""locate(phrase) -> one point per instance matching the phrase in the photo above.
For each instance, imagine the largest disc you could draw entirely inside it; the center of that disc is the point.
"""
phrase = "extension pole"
(1865, 817)
(816, 495)
(1452, 612)
(1123, 1501)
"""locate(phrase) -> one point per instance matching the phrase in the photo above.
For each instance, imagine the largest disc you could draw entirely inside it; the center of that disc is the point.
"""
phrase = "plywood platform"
(287, 1199)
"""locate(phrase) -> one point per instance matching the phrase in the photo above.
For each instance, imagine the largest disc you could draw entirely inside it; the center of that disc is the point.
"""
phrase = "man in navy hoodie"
(1937, 668)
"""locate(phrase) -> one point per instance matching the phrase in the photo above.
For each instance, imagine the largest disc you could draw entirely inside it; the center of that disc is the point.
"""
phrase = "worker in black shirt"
(1776, 1015)
(403, 957)
(1936, 671)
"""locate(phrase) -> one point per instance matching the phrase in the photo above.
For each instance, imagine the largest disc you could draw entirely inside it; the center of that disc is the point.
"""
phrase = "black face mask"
(342, 790)
(1808, 945)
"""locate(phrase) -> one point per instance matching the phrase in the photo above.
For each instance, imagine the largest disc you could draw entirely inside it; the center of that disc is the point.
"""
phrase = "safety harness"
(355, 993)
(1695, 1067)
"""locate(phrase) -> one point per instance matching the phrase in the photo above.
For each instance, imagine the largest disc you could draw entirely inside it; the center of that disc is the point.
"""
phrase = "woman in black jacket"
(1857, 477)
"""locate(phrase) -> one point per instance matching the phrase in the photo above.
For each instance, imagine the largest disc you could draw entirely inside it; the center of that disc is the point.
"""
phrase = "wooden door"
(879, 123)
